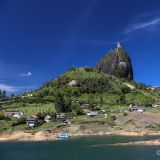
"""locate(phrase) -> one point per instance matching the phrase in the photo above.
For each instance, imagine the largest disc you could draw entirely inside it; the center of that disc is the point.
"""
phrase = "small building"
(15, 114)
(67, 122)
(155, 105)
(32, 121)
(30, 95)
(136, 108)
(92, 113)
(72, 83)
(106, 110)
(141, 110)
(48, 119)
(62, 115)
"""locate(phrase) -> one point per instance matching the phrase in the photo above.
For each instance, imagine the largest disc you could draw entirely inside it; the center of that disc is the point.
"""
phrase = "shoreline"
(21, 136)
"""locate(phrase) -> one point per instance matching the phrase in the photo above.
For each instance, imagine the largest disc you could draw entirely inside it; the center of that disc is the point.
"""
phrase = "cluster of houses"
(131, 108)
(33, 121)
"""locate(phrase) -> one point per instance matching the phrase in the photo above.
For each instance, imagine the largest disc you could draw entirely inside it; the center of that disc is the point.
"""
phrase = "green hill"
(92, 85)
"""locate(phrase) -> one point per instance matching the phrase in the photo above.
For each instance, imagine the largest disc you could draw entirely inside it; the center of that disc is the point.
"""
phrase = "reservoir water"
(80, 149)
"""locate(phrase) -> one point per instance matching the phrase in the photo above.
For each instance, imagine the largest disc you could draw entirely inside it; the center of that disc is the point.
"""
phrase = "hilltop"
(117, 62)
(82, 90)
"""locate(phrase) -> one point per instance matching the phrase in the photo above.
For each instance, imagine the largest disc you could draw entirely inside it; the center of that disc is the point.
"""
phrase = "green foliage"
(62, 104)
(125, 89)
(93, 91)
(16, 98)
(122, 99)
(141, 86)
(19, 121)
(72, 68)
(88, 82)
(42, 115)
(76, 109)
(101, 101)
(125, 114)
(139, 99)
(3, 95)
(91, 102)
(2, 116)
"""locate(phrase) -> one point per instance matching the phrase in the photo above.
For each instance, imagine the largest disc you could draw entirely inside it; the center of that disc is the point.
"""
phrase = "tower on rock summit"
(119, 45)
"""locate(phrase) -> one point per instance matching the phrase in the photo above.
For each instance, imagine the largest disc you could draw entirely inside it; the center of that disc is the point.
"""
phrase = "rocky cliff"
(117, 62)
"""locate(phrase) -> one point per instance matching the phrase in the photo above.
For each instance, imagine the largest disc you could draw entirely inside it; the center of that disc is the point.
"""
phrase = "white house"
(15, 114)
(141, 110)
(18, 114)
(92, 113)
(47, 119)
(32, 121)
(72, 83)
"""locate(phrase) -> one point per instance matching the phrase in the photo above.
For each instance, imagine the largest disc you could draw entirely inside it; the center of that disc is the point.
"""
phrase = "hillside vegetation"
(103, 89)
(92, 90)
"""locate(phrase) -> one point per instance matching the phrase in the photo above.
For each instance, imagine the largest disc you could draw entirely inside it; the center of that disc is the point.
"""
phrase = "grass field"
(31, 109)
(43, 108)
(87, 119)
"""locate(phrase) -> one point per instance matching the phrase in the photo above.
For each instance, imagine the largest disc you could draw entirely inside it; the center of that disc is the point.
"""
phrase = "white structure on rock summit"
(119, 45)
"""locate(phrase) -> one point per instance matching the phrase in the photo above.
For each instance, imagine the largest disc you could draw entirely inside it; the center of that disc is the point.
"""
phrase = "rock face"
(117, 63)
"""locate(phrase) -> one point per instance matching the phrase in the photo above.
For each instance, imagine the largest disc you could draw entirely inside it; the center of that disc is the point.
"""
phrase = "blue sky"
(41, 39)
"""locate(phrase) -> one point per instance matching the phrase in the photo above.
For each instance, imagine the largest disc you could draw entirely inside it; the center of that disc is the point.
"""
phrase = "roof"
(92, 113)
(11, 112)
(62, 114)
(32, 117)
(48, 117)
(72, 83)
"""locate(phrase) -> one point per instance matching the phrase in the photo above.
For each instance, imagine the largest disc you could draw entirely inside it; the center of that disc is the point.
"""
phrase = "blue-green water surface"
(79, 149)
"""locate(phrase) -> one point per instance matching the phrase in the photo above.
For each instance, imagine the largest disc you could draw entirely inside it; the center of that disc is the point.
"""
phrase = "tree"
(3, 95)
(141, 86)
(2, 116)
(76, 109)
(72, 68)
(91, 102)
(125, 90)
(59, 102)
(12, 95)
(101, 101)
(122, 99)
(62, 104)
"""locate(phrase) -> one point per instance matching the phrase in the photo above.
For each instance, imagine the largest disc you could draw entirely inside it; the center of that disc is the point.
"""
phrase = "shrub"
(125, 114)
(2, 116)
(19, 121)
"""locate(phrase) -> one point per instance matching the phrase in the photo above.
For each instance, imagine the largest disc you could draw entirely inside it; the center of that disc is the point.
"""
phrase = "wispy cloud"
(8, 88)
(15, 89)
(147, 21)
(9, 71)
(26, 74)
(143, 25)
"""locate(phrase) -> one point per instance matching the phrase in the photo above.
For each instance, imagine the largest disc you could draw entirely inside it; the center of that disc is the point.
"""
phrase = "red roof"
(10, 112)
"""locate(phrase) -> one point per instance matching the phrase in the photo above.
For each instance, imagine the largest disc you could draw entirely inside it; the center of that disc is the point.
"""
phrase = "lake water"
(79, 149)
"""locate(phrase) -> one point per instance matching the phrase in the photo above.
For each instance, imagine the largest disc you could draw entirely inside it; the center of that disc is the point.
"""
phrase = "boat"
(63, 135)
